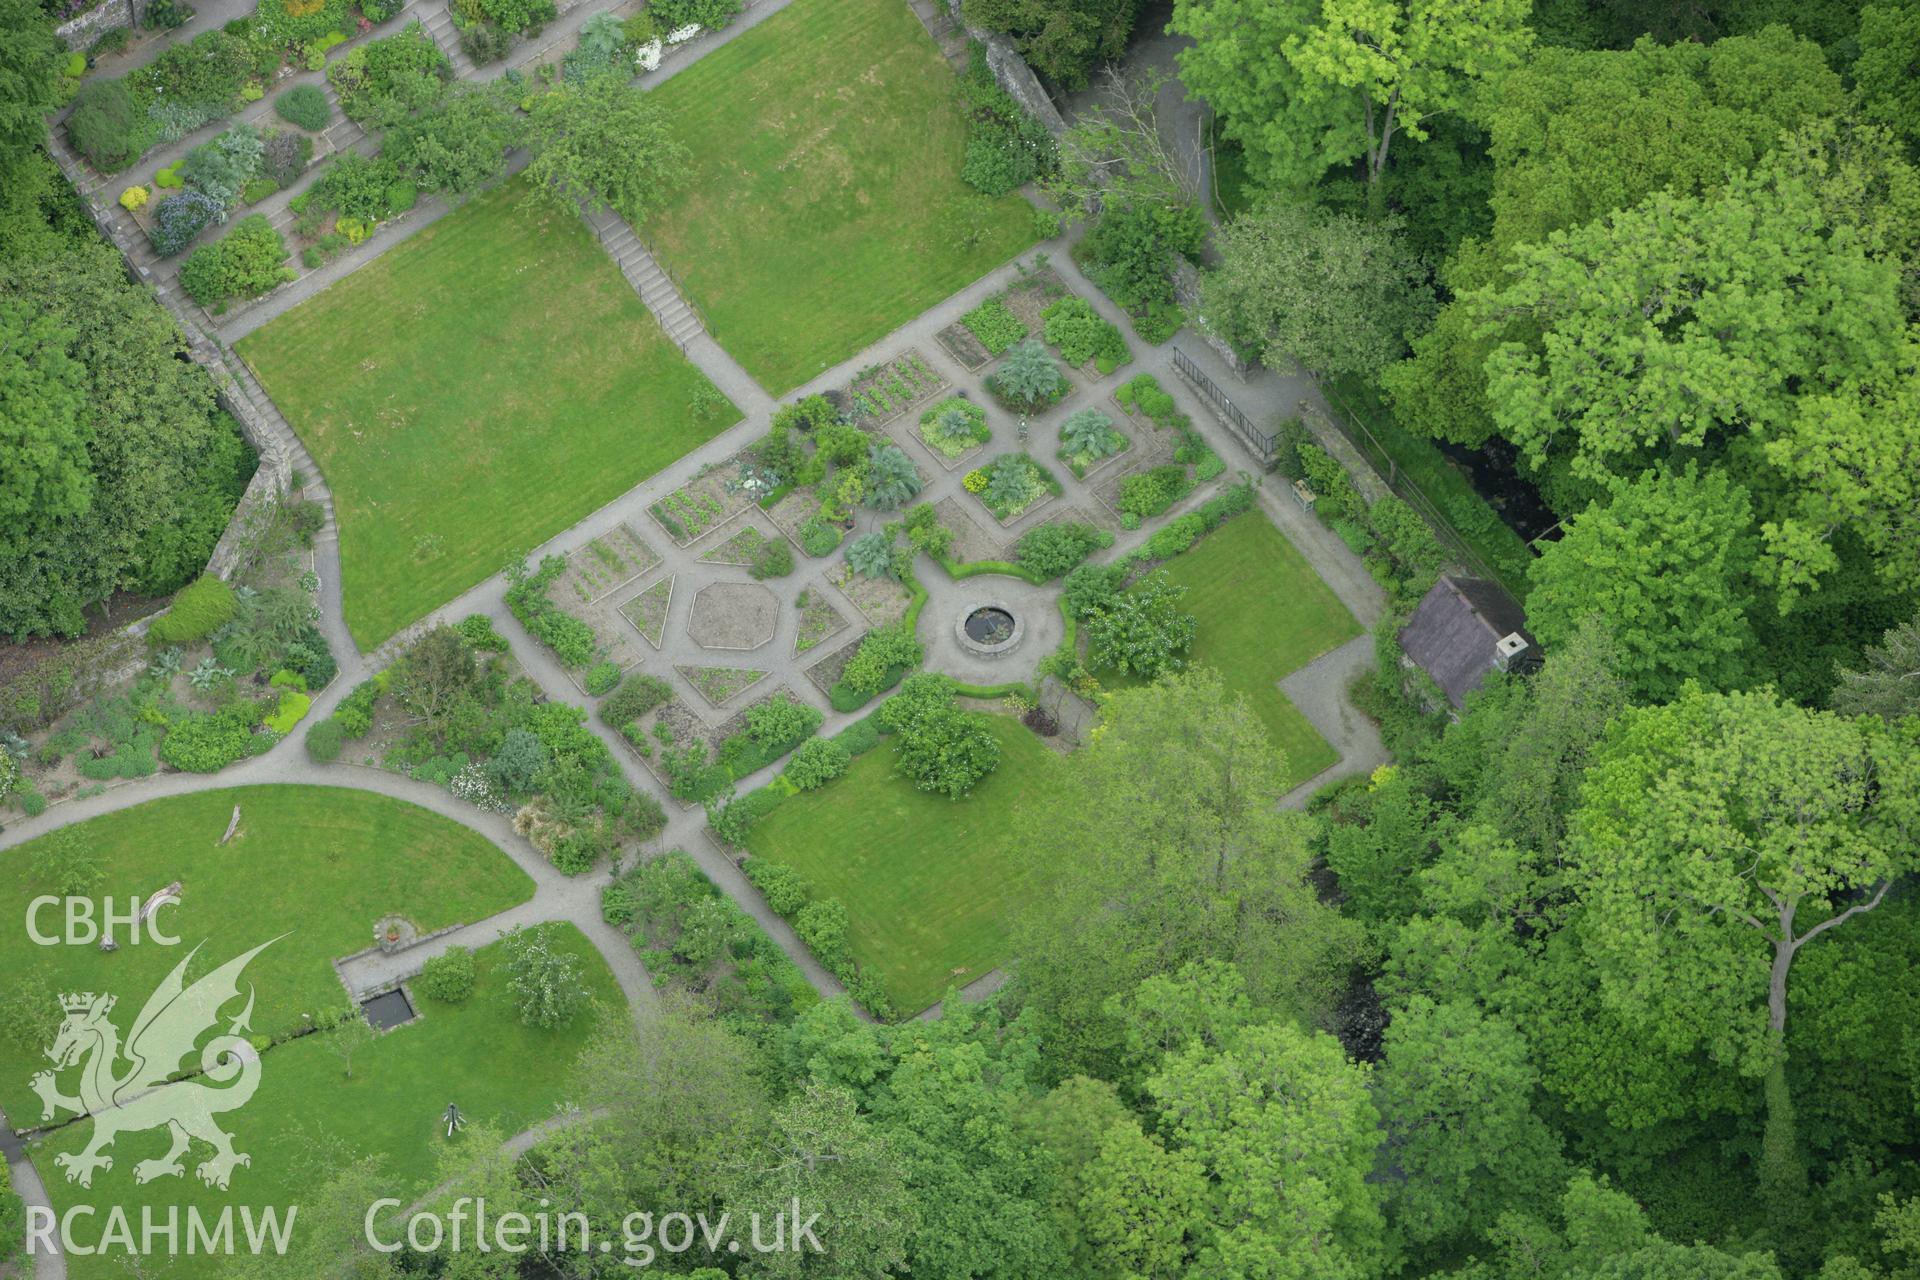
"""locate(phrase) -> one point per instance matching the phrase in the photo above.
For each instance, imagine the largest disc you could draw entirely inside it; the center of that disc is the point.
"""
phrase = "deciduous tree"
(1719, 835)
(603, 144)
(1665, 568)
(1305, 85)
(1282, 1125)
(1337, 293)
(1170, 850)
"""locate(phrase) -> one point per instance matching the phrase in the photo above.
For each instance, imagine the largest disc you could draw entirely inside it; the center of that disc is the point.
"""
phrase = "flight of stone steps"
(438, 20)
(648, 280)
(945, 29)
(267, 416)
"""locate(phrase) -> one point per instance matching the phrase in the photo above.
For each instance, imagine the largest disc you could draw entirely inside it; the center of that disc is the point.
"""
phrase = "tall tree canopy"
(1746, 326)
(1577, 134)
(1337, 293)
(117, 469)
(1306, 85)
(1063, 39)
(1665, 567)
(1719, 835)
(1283, 1125)
(1173, 851)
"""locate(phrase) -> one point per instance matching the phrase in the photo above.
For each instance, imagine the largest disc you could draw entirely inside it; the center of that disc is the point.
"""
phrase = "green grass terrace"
(470, 393)
(1263, 614)
(319, 865)
(931, 885)
(825, 207)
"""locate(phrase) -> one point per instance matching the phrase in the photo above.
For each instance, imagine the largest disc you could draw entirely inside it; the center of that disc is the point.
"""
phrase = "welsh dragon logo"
(142, 1096)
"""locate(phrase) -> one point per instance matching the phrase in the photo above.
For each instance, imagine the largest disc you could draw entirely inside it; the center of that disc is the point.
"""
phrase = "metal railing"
(1264, 444)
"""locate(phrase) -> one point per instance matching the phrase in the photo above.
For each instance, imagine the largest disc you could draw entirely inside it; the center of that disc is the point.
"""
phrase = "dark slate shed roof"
(1453, 632)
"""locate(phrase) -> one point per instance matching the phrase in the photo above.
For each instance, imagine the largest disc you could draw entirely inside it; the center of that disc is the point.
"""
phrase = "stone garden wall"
(1013, 74)
(81, 31)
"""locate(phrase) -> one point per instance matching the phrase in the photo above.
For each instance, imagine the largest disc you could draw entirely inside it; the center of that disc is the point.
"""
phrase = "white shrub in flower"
(684, 34)
(474, 786)
(648, 54)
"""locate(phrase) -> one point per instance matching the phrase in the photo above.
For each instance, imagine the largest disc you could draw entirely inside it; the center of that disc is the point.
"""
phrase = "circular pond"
(989, 630)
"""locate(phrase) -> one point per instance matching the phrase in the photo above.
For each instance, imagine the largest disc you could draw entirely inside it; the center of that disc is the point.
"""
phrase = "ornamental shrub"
(955, 426)
(284, 23)
(477, 630)
(1012, 482)
(293, 708)
(221, 167)
(517, 761)
(817, 762)
(1221, 508)
(107, 127)
(892, 479)
(508, 16)
(1089, 588)
(178, 219)
(1089, 435)
(871, 554)
(1141, 631)
(386, 80)
(325, 740)
(1030, 378)
(200, 608)
(133, 198)
(284, 155)
(822, 925)
(1072, 325)
(779, 722)
(1150, 493)
(1051, 550)
(248, 261)
(306, 106)
(448, 976)
(819, 537)
(671, 15)
(638, 694)
(942, 748)
(786, 890)
(601, 677)
(1335, 495)
(209, 743)
(1176, 537)
(926, 533)
(886, 651)
(1006, 146)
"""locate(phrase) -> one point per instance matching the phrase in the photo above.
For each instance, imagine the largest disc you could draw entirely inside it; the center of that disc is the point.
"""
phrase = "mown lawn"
(825, 207)
(318, 864)
(472, 392)
(308, 1119)
(931, 885)
(1263, 614)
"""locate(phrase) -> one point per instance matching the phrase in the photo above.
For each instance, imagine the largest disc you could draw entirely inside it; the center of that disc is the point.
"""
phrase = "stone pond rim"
(989, 629)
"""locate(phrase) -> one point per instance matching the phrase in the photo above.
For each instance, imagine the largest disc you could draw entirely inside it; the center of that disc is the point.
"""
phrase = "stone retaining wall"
(1012, 73)
(82, 31)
